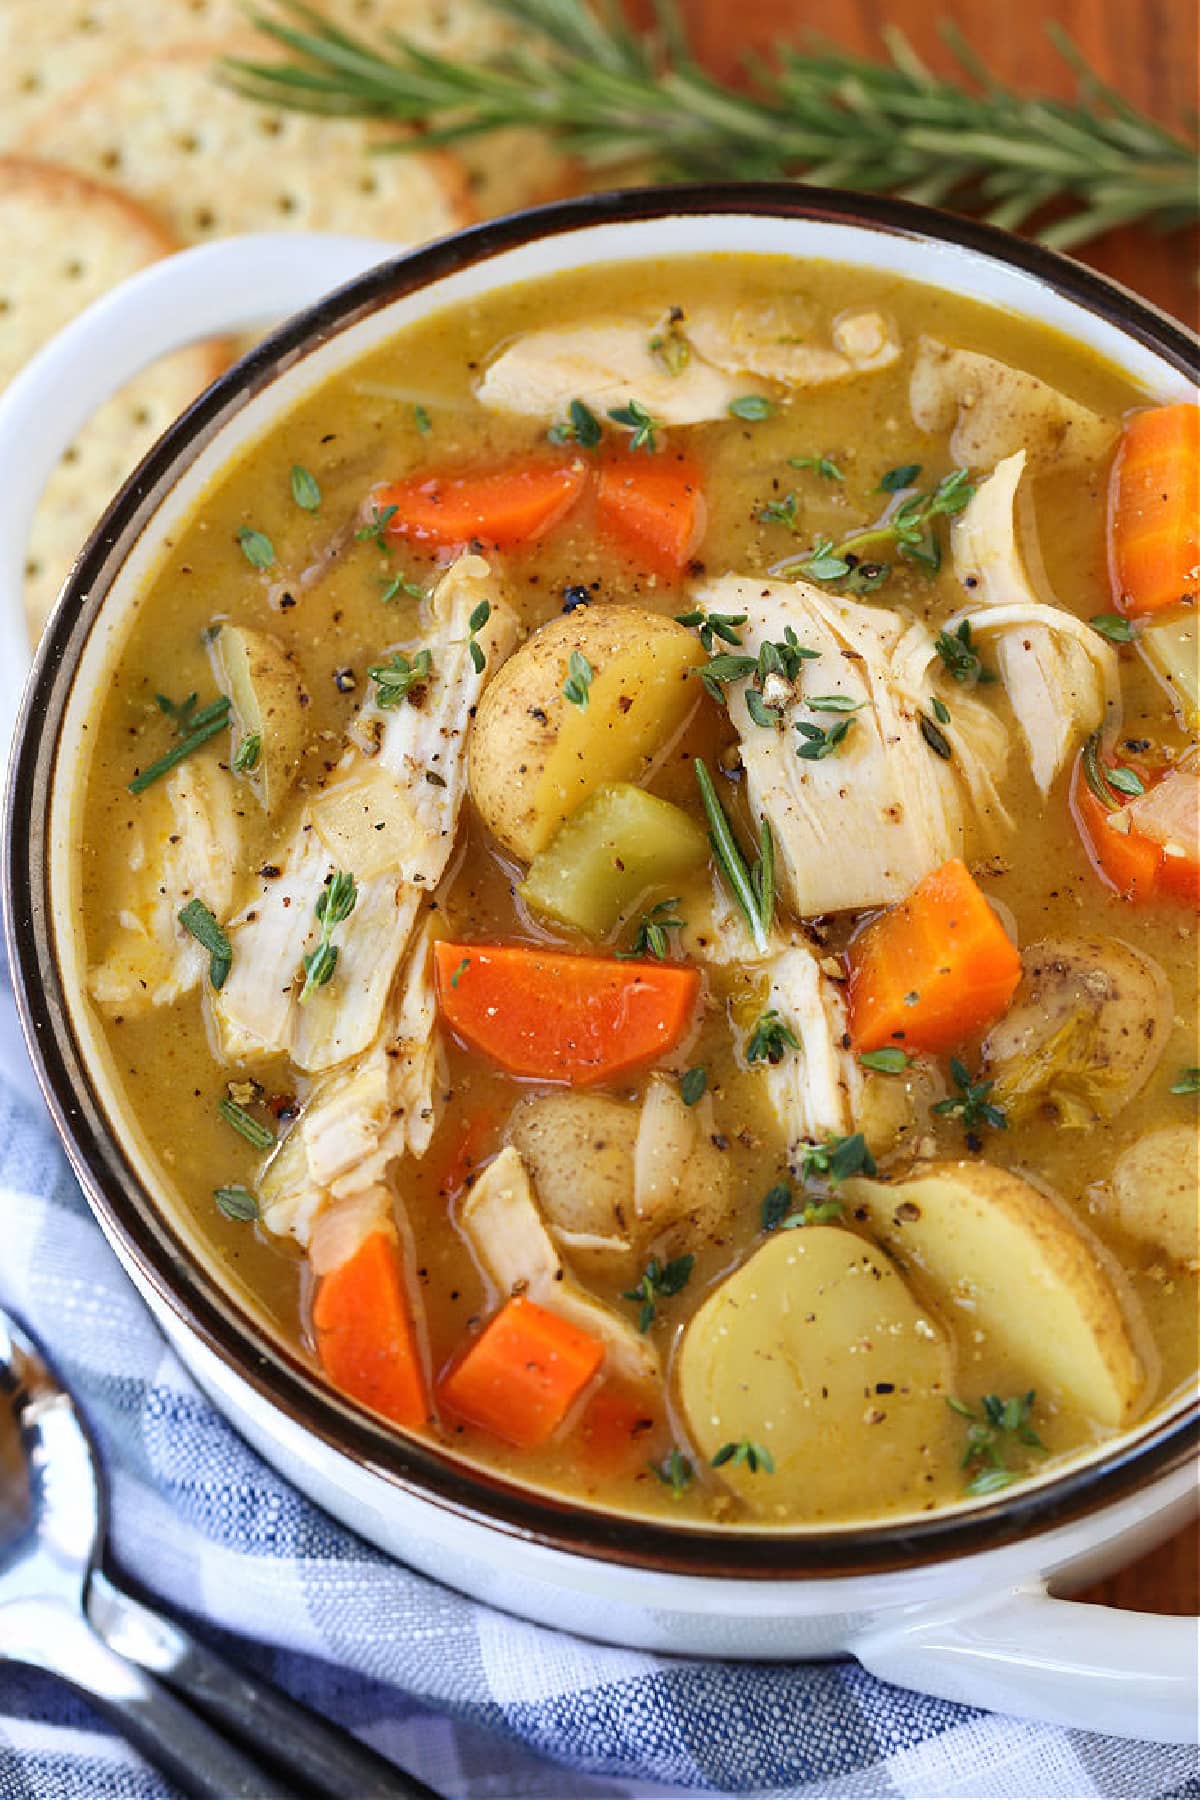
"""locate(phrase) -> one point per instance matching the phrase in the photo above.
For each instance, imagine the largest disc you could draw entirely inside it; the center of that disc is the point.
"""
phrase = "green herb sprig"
(744, 1453)
(581, 426)
(991, 1434)
(908, 530)
(199, 728)
(752, 889)
(580, 675)
(837, 1159)
(971, 1104)
(962, 660)
(660, 1281)
(336, 902)
(1111, 786)
(675, 1472)
(400, 678)
(202, 924)
(714, 625)
(651, 938)
(770, 1040)
(637, 421)
(245, 1124)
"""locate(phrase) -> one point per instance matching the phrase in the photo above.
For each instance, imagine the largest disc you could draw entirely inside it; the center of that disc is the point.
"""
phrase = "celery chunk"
(621, 842)
(1173, 652)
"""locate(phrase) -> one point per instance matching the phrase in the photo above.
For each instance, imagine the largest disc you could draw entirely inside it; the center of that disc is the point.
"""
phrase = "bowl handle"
(1094, 1668)
(210, 291)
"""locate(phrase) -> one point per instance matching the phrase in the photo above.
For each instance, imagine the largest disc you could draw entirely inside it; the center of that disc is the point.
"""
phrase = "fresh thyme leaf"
(992, 1433)
(476, 623)
(460, 971)
(754, 1456)
(1187, 1082)
(335, 903)
(246, 1124)
(236, 1202)
(614, 96)
(1113, 627)
(676, 1473)
(181, 715)
(205, 725)
(752, 408)
(305, 490)
(902, 476)
(758, 711)
(399, 678)
(820, 465)
(834, 703)
(891, 1060)
(248, 753)
(776, 1205)
(971, 1105)
(256, 546)
(941, 711)
(1126, 781)
(823, 564)
(782, 512)
(934, 738)
(375, 529)
(660, 1281)
(816, 744)
(581, 427)
(838, 1158)
(714, 625)
(580, 674)
(770, 1038)
(865, 577)
(651, 936)
(422, 420)
(755, 897)
(814, 1212)
(963, 661)
(203, 925)
(391, 587)
(637, 420)
(692, 1084)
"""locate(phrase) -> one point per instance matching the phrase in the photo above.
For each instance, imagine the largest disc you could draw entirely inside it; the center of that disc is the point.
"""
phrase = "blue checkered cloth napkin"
(480, 1705)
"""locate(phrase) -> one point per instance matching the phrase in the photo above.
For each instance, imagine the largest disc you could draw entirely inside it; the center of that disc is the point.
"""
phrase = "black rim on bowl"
(145, 1235)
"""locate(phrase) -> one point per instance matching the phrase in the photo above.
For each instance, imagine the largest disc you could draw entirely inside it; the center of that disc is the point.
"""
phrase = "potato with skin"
(817, 1351)
(268, 701)
(1009, 1261)
(536, 756)
(1156, 1191)
(579, 1149)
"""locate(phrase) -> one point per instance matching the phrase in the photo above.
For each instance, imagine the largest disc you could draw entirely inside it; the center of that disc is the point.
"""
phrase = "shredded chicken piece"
(193, 824)
(993, 410)
(755, 340)
(1059, 674)
(816, 1091)
(678, 1174)
(859, 827)
(396, 843)
(347, 1224)
(508, 1235)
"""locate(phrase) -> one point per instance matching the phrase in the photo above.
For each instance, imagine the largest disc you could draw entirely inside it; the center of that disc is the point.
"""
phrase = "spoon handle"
(51, 1635)
(325, 1759)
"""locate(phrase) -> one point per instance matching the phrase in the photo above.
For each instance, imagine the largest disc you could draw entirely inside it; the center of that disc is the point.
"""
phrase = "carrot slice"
(934, 970)
(500, 507)
(654, 508)
(1130, 856)
(576, 1019)
(365, 1332)
(1154, 509)
(521, 1376)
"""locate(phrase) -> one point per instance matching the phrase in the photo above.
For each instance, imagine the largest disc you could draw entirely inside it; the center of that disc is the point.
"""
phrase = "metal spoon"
(64, 1609)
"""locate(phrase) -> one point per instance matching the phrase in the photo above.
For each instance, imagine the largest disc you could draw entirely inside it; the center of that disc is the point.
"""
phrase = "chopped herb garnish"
(335, 903)
(769, 1039)
(374, 531)
(902, 476)
(651, 937)
(422, 420)
(580, 674)
(692, 1084)
(180, 715)
(751, 407)
(305, 490)
(1125, 781)
(776, 1205)
(670, 345)
(823, 563)
(891, 1060)
(725, 668)
(202, 924)
(991, 1433)
(476, 623)
(838, 1158)
(754, 891)
(834, 703)
(714, 625)
(939, 744)
(971, 1104)
(659, 1282)
(820, 465)
(759, 712)
(909, 527)
(778, 1212)
(1113, 627)
(399, 678)
(257, 548)
(1188, 1082)
(1104, 781)
(817, 743)
(236, 1202)
(248, 752)
(245, 1123)
(203, 726)
(581, 426)
(752, 1455)
(941, 711)
(637, 420)
(392, 586)
(460, 971)
(782, 658)
(963, 661)
(676, 1473)
(865, 577)
(782, 512)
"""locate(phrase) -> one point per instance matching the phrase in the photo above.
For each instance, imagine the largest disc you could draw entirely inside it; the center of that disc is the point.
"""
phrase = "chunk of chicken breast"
(993, 410)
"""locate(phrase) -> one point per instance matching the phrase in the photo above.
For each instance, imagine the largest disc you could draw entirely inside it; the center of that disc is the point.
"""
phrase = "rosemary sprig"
(754, 890)
(615, 96)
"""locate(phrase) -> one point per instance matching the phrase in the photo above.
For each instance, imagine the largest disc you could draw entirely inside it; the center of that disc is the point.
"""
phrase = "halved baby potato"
(536, 755)
(268, 701)
(817, 1351)
(1011, 1262)
(1156, 1191)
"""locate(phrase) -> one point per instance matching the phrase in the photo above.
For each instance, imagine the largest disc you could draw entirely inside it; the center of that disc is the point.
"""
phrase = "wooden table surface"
(1148, 50)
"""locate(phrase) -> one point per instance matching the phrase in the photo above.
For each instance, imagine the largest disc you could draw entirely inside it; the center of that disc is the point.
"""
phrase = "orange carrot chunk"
(576, 1019)
(1154, 509)
(500, 507)
(365, 1333)
(522, 1375)
(653, 507)
(934, 970)
(1148, 849)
